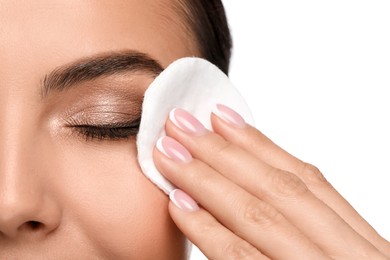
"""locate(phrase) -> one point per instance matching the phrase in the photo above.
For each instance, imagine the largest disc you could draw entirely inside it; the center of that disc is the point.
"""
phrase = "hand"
(256, 200)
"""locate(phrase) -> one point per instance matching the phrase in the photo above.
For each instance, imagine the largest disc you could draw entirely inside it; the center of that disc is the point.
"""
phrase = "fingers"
(220, 167)
(253, 141)
(225, 164)
(249, 218)
(213, 239)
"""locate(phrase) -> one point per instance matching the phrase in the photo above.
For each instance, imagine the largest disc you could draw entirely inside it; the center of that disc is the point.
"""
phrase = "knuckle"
(197, 175)
(205, 227)
(261, 214)
(239, 250)
(287, 184)
(312, 175)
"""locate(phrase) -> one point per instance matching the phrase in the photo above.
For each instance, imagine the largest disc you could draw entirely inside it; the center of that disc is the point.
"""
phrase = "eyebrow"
(86, 69)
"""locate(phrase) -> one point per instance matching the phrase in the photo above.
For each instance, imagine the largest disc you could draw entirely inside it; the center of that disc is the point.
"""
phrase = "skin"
(65, 196)
(282, 209)
(62, 195)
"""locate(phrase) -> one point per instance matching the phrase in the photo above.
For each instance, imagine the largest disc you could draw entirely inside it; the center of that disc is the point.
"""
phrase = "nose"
(25, 216)
(25, 212)
(27, 209)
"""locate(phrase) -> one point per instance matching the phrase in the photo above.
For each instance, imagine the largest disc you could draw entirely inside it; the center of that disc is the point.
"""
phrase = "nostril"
(34, 225)
(31, 226)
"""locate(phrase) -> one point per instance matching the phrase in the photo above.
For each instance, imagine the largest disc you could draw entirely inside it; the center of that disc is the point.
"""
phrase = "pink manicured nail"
(186, 122)
(230, 116)
(173, 149)
(183, 201)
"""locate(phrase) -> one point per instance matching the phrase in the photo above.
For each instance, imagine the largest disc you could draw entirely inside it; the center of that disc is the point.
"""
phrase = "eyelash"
(115, 131)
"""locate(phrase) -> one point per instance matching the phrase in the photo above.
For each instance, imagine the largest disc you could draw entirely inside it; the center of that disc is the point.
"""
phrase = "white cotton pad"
(193, 84)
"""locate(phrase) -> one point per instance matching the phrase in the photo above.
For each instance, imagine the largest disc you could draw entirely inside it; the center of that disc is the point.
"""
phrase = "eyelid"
(102, 115)
(118, 124)
(104, 121)
(100, 111)
(115, 131)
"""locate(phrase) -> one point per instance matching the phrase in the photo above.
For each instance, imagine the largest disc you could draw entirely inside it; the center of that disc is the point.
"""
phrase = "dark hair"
(207, 21)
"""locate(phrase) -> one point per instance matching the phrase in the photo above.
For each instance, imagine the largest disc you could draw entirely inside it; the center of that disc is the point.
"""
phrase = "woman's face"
(71, 90)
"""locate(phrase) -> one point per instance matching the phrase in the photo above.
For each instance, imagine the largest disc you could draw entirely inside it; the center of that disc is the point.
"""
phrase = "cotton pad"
(193, 84)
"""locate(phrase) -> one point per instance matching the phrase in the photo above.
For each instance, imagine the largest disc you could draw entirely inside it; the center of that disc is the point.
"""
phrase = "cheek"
(118, 211)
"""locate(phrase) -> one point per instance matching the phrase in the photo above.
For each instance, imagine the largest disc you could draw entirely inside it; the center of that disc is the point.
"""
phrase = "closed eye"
(114, 131)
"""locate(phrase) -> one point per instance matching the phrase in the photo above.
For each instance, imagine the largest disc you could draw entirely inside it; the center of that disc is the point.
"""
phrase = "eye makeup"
(109, 132)
(103, 110)
(105, 125)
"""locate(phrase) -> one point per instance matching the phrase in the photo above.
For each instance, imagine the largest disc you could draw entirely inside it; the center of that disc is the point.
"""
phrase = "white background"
(317, 77)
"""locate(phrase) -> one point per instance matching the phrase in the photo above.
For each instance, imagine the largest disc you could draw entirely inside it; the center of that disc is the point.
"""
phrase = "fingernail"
(187, 122)
(183, 201)
(173, 149)
(230, 116)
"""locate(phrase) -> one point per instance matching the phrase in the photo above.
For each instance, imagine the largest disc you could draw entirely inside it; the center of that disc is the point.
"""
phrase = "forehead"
(53, 32)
